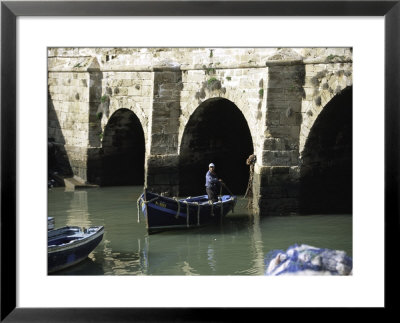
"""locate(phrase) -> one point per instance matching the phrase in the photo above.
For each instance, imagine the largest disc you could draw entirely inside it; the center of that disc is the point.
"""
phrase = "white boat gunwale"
(76, 242)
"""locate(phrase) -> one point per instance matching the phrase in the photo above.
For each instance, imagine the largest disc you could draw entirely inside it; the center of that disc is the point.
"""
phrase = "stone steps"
(72, 183)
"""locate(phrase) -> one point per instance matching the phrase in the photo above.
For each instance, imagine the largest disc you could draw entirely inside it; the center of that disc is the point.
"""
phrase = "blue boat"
(164, 213)
(68, 246)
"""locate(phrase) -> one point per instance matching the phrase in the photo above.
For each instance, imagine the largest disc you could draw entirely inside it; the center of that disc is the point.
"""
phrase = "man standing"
(212, 183)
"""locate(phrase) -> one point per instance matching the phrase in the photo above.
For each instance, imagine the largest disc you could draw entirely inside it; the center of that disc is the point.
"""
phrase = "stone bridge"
(158, 116)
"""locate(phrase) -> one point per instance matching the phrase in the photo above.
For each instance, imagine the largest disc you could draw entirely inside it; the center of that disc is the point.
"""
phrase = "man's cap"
(211, 165)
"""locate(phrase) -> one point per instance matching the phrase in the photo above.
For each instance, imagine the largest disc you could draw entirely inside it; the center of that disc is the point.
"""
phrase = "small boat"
(69, 245)
(163, 213)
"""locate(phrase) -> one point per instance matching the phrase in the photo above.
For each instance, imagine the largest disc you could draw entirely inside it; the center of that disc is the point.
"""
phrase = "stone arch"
(123, 150)
(321, 88)
(326, 160)
(217, 132)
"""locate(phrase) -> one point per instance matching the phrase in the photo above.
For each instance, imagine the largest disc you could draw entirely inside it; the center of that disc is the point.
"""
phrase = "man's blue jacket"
(211, 180)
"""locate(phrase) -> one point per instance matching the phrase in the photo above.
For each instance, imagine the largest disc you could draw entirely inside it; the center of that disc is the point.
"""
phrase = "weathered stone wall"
(71, 95)
(130, 90)
(162, 162)
(322, 83)
(298, 89)
(243, 87)
(279, 91)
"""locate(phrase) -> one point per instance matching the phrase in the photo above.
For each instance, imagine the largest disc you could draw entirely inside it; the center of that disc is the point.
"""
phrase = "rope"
(233, 204)
(145, 203)
(198, 213)
(229, 191)
(187, 213)
(138, 209)
(249, 191)
(150, 201)
(140, 199)
(179, 208)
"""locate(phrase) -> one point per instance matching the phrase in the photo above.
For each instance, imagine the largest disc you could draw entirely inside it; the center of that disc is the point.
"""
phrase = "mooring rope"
(234, 203)
(179, 208)
(249, 191)
(198, 213)
(138, 208)
(187, 213)
(150, 201)
(145, 203)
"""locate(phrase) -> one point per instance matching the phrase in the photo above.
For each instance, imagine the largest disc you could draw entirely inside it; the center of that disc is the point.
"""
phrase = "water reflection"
(210, 258)
(257, 246)
(78, 212)
(188, 270)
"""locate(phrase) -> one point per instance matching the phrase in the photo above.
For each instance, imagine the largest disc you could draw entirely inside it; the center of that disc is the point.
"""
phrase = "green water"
(237, 246)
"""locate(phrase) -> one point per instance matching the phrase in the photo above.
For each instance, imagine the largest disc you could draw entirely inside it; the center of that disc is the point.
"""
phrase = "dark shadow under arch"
(216, 132)
(123, 150)
(326, 173)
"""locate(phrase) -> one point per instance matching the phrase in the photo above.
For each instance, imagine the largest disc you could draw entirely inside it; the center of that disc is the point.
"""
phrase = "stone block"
(273, 118)
(163, 143)
(272, 191)
(275, 94)
(51, 81)
(278, 131)
(279, 206)
(135, 91)
(162, 179)
(167, 77)
(197, 78)
(147, 91)
(162, 161)
(293, 119)
(279, 158)
(145, 76)
(274, 144)
(278, 83)
(246, 83)
(280, 170)
(121, 91)
(294, 94)
(127, 82)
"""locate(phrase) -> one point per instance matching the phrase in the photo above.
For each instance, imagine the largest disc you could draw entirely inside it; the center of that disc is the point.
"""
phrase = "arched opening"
(123, 150)
(326, 174)
(216, 132)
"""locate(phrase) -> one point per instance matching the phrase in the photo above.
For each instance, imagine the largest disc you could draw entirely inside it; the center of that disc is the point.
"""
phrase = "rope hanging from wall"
(249, 191)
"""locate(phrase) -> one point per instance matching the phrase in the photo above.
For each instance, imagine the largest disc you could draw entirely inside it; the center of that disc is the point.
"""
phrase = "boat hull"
(65, 255)
(164, 213)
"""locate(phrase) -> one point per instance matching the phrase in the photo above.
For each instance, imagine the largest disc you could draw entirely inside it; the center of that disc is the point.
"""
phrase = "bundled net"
(307, 260)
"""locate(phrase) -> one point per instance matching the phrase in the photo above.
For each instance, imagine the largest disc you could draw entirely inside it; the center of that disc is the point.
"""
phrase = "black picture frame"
(10, 10)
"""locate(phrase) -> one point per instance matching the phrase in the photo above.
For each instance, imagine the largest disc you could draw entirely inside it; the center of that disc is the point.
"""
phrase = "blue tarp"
(307, 260)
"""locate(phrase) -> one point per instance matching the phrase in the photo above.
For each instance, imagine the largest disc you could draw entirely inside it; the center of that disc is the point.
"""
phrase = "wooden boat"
(68, 246)
(163, 213)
